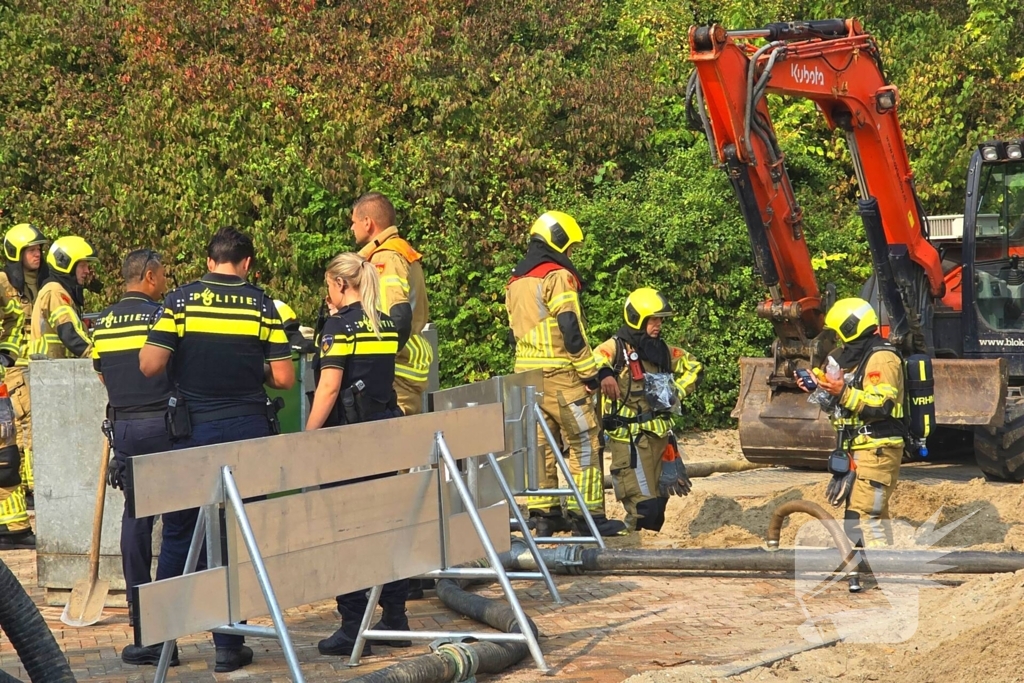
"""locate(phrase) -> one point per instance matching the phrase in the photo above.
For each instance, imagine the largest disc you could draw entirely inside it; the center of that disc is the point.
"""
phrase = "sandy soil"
(970, 633)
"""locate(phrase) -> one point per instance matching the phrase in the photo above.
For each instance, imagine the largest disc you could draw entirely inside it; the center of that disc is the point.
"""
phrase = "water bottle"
(8, 435)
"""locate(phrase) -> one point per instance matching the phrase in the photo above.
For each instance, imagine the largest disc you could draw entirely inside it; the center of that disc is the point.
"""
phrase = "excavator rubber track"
(782, 428)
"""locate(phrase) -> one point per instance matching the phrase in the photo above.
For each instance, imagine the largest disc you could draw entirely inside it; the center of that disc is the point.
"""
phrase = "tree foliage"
(153, 122)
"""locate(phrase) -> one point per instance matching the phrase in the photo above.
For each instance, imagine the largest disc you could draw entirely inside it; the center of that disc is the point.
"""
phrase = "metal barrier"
(267, 555)
(517, 470)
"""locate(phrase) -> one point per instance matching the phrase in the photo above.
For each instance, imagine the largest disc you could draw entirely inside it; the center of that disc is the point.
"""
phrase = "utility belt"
(180, 420)
(115, 415)
(354, 406)
(883, 429)
(612, 423)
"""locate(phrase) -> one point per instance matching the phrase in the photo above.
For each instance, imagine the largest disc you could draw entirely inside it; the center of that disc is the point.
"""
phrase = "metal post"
(492, 554)
(371, 605)
(191, 560)
(532, 450)
(261, 574)
(564, 466)
(518, 445)
(527, 536)
(303, 402)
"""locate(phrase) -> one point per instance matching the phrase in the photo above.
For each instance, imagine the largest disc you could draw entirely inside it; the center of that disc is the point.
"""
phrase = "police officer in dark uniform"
(355, 374)
(135, 410)
(227, 341)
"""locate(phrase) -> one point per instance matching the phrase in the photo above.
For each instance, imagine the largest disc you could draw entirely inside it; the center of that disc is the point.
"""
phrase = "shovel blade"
(85, 607)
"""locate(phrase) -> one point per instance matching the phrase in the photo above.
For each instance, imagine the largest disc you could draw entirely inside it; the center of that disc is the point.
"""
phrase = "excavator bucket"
(782, 428)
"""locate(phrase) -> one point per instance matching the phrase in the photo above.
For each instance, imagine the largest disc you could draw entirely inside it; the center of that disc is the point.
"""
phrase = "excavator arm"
(835, 64)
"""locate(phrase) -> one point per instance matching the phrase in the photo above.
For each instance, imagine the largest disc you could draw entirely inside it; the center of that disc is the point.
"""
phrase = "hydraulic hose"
(834, 528)
(24, 625)
(454, 662)
(576, 559)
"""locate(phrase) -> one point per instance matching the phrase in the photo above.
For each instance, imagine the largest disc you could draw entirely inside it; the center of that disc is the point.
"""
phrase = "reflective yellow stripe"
(102, 332)
(131, 343)
(563, 298)
(166, 323)
(201, 310)
(242, 328)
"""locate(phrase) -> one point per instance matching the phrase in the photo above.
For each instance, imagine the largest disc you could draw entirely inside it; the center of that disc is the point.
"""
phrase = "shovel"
(87, 597)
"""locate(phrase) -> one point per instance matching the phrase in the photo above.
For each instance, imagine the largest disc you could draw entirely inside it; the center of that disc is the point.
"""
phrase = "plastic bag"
(819, 395)
(660, 392)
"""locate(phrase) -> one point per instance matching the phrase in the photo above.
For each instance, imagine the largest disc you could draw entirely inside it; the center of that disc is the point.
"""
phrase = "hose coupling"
(463, 658)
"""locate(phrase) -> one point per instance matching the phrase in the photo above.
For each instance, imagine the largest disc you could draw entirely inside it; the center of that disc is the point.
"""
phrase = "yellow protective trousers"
(569, 413)
(867, 518)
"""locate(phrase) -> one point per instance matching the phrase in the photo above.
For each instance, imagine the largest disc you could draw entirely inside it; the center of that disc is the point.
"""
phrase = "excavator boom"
(837, 65)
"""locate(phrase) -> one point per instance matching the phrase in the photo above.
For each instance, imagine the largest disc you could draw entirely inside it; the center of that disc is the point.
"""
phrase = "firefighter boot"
(546, 524)
(605, 527)
(343, 641)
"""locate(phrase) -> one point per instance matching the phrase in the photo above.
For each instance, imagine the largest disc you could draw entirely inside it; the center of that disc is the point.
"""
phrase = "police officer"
(135, 410)
(867, 413)
(403, 292)
(23, 272)
(19, 284)
(227, 341)
(57, 330)
(650, 379)
(355, 373)
(547, 323)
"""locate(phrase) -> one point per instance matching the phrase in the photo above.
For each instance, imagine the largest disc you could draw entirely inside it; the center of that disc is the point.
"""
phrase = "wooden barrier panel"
(191, 477)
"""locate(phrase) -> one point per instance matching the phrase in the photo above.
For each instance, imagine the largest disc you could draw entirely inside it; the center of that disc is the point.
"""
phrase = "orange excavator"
(958, 298)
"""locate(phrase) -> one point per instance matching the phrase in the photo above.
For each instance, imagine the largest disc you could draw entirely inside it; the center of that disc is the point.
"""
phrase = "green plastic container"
(291, 416)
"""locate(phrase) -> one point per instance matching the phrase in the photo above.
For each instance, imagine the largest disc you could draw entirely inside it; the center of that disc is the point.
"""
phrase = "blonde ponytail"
(361, 275)
(369, 292)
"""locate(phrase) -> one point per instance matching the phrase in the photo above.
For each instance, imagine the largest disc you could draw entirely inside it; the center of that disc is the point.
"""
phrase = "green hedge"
(153, 122)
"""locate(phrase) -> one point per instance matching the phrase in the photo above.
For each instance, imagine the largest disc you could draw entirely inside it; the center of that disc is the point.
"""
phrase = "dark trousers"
(131, 438)
(392, 599)
(179, 526)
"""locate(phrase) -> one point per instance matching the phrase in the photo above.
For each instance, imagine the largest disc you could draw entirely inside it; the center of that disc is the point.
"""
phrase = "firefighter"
(650, 379)
(293, 330)
(19, 284)
(57, 330)
(867, 413)
(547, 324)
(358, 346)
(135, 412)
(227, 341)
(403, 293)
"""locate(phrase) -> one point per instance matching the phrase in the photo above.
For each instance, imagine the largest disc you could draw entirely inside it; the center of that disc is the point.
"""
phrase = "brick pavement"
(609, 628)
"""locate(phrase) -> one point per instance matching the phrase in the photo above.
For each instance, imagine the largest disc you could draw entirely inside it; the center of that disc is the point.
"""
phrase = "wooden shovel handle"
(97, 518)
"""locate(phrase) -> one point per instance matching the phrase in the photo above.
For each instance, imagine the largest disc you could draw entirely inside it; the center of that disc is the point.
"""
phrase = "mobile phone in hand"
(807, 378)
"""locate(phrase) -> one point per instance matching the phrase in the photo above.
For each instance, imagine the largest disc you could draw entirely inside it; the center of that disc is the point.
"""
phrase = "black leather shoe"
(232, 659)
(140, 656)
(25, 540)
(340, 644)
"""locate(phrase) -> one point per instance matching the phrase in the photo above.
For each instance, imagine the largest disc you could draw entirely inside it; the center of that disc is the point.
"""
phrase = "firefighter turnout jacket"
(873, 402)
(547, 322)
(633, 408)
(57, 330)
(403, 287)
(16, 309)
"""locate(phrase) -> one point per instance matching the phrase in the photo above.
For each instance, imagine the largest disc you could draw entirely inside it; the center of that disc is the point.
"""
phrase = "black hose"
(460, 661)
(24, 625)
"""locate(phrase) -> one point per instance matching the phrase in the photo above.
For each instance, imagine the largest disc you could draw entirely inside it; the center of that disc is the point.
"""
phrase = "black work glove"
(116, 469)
(95, 285)
(673, 480)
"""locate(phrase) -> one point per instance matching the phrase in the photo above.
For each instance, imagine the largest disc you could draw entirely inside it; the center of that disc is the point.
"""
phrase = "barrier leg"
(527, 536)
(191, 560)
(564, 467)
(371, 605)
(492, 554)
(231, 491)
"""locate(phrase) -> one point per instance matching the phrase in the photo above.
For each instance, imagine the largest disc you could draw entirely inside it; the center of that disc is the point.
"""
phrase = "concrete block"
(68, 404)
